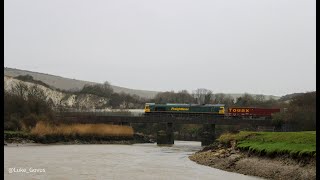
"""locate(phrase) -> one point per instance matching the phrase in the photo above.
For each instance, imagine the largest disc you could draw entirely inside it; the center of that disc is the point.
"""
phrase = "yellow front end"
(221, 111)
(146, 108)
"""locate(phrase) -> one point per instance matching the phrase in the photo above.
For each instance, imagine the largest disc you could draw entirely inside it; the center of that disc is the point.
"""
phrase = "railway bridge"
(165, 135)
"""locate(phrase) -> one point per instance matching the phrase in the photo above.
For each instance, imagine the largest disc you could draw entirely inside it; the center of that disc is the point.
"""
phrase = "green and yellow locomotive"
(183, 109)
(208, 109)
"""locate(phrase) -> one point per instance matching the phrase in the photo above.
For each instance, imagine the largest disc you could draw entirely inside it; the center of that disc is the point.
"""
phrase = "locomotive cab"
(221, 110)
(146, 108)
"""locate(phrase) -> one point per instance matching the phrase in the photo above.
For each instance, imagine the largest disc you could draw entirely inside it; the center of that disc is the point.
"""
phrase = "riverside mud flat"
(232, 160)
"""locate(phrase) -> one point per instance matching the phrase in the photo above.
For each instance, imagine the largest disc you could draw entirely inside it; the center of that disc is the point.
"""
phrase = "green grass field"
(273, 143)
(16, 133)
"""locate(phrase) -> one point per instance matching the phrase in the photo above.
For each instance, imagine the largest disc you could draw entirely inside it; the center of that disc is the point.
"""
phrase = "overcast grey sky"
(231, 46)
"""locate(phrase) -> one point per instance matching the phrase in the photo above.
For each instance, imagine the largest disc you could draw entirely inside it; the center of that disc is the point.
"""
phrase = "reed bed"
(100, 130)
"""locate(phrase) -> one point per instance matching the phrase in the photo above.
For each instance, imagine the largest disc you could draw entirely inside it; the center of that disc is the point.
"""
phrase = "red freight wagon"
(251, 112)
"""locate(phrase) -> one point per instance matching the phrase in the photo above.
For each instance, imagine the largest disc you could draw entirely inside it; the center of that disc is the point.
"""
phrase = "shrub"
(29, 121)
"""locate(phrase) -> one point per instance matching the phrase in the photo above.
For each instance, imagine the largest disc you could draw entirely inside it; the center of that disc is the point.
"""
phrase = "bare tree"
(36, 92)
(228, 100)
(20, 89)
(245, 100)
(183, 96)
(260, 98)
(202, 95)
(221, 98)
(107, 88)
(103, 90)
(172, 97)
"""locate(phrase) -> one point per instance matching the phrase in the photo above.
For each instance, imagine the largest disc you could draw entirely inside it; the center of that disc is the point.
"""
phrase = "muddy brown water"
(109, 161)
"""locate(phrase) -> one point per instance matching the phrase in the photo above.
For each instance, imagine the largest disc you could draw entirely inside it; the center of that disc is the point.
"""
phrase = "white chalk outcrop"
(68, 100)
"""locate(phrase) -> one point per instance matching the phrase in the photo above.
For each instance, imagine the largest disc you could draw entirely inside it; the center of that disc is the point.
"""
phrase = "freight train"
(208, 110)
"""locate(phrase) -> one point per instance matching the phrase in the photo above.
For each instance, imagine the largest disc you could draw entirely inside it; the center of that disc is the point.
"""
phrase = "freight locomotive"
(208, 110)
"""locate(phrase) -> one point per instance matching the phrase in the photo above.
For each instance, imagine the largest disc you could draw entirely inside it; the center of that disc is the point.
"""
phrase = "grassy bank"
(271, 155)
(274, 143)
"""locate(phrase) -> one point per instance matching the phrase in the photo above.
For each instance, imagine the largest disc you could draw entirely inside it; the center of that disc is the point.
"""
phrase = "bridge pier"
(165, 135)
(122, 123)
(208, 134)
(125, 124)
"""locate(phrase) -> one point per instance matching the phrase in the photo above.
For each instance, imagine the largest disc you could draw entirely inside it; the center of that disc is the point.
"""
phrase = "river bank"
(231, 154)
(19, 138)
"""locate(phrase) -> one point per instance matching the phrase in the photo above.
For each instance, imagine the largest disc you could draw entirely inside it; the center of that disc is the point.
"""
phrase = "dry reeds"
(42, 129)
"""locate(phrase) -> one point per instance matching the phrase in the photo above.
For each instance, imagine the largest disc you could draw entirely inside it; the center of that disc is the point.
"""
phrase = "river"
(108, 161)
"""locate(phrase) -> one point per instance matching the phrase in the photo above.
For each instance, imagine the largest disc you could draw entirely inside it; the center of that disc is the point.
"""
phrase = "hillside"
(70, 84)
(73, 84)
(289, 96)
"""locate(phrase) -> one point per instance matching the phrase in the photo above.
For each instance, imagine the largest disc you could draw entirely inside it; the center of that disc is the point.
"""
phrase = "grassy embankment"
(46, 133)
(271, 155)
(274, 143)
